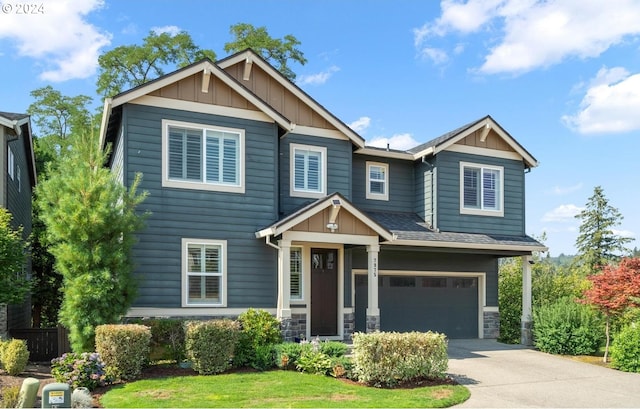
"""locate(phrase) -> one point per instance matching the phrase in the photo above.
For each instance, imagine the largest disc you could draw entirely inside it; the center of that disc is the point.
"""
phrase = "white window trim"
(323, 185)
(183, 184)
(302, 277)
(19, 178)
(482, 212)
(373, 195)
(185, 277)
(10, 163)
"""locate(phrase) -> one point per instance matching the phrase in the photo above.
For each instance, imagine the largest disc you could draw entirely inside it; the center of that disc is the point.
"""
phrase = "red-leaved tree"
(614, 290)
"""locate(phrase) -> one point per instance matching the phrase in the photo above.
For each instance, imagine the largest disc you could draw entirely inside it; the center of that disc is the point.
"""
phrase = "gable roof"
(448, 139)
(250, 56)
(21, 124)
(319, 205)
(206, 67)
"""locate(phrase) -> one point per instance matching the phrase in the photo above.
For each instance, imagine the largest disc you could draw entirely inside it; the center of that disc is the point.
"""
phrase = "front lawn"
(274, 389)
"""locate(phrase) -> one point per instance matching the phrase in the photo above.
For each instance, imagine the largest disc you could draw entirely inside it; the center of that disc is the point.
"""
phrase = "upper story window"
(204, 272)
(308, 170)
(202, 157)
(377, 181)
(481, 189)
(10, 163)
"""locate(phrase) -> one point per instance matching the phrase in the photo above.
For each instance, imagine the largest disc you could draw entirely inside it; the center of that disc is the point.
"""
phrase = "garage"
(446, 304)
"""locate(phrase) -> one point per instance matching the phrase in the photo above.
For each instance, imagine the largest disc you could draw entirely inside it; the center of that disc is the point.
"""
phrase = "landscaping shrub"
(124, 349)
(389, 358)
(567, 328)
(15, 356)
(288, 353)
(80, 370)
(167, 338)
(334, 349)
(314, 362)
(259, 328)
(210, 345)
(625, 349)
(10, 397)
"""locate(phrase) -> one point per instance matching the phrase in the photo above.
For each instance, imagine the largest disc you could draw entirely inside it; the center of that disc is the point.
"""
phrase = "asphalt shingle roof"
(13, 116)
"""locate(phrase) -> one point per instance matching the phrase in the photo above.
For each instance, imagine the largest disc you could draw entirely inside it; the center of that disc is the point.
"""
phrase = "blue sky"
(562, 77)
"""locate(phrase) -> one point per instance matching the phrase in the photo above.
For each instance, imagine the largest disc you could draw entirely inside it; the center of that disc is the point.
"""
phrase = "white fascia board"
(470, 246)
(385, 154)
(106, 113)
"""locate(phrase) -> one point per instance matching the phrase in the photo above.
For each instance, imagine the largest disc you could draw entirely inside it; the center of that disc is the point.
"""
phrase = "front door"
(324, 292)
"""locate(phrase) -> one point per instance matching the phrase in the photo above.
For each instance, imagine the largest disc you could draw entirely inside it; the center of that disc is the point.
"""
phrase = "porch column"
(373, 312)
(525, 329)
(284, 279)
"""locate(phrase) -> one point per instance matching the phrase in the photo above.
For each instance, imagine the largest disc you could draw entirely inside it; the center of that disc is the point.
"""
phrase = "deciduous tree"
(90, 219)
(277, 51)
(14, 283)
(128, 66)
(614, 290)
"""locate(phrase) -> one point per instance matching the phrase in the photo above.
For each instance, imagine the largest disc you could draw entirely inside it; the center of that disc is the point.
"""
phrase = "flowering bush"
(80, 370)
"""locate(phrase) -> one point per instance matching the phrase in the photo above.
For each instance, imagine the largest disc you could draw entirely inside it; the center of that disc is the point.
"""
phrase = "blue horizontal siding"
(190, 213)
(401, 185)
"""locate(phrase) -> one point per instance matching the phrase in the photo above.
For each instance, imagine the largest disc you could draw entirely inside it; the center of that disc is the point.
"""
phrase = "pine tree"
(14, 284)
(90, 219)
(597, 243)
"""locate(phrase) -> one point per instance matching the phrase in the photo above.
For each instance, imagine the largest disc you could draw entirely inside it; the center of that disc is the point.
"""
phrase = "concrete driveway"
(501, 376)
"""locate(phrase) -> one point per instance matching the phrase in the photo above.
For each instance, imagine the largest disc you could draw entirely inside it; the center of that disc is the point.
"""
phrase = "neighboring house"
(17, 179)
(260, 197)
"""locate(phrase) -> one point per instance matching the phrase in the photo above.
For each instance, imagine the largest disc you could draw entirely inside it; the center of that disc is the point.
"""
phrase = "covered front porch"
(311, 267)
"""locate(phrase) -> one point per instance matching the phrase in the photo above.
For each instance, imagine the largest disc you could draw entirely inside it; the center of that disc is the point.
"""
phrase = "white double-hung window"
(203, 157)
(377, 181)
(308, 170)
(296, 282)
(481, 189)
(204, 272)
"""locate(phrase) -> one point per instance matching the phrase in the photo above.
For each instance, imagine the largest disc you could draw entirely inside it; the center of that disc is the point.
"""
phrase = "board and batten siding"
(339, 159)
(449, 217)
(415, 260)
(400, 185)
(197, 214)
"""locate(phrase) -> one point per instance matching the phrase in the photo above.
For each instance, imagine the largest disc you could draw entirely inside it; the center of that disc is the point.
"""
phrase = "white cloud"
(611, 104)
(565, 190)
(317, 79)
(360, 124)
(436, 55)
(531, 34)
(171, 30)
(624, 233)
(60, 38)
(562, 214)
(400, 142)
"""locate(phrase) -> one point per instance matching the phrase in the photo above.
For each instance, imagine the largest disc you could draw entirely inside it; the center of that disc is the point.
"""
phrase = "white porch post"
(525, 329)
(284, 279)
(373, 311)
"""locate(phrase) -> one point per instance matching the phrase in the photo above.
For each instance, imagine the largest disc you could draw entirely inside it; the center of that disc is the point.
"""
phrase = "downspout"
(269, 243)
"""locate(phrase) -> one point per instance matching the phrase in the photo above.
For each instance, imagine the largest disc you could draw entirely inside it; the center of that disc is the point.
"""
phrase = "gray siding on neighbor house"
(419, 260)
(339, 158)
(197, 214)
(19, 205)
(448, 200)
(401, 185)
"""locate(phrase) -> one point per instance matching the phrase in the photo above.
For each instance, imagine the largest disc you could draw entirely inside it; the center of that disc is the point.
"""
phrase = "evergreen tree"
(597, 243)
(90, 219)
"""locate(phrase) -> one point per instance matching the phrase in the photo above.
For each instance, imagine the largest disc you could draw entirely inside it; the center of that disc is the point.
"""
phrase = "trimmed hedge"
(625, 349)
(123, 348)
(210, 345)
(391, 358)
(260, 332)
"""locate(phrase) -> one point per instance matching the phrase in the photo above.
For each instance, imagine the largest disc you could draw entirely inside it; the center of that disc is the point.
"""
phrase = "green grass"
(280, 389)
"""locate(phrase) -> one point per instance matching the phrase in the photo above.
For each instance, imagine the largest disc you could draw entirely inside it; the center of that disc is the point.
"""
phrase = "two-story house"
(17, 179)
(260, 197)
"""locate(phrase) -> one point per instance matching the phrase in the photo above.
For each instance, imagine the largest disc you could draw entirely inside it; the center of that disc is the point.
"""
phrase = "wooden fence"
(44, 344)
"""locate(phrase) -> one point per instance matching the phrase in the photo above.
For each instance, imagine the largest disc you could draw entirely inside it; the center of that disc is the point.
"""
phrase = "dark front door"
(324, 292)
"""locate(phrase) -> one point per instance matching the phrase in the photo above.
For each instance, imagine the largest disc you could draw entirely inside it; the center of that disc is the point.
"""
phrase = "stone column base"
(526, 335)
(373, 323)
